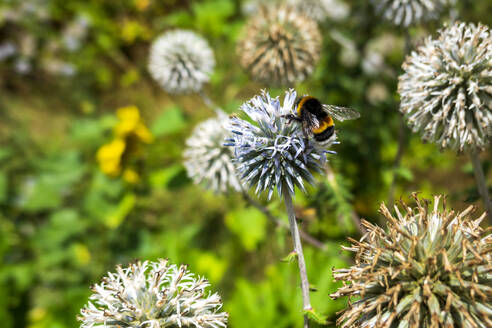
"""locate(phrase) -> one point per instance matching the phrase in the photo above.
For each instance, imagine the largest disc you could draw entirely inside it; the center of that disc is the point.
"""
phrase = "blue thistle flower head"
(271, 152)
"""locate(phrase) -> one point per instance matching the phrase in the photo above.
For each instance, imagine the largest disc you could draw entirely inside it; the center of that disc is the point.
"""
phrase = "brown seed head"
(431, 267)
(280, 46)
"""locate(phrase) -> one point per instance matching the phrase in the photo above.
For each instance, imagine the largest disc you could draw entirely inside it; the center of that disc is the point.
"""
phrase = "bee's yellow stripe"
(301, 103)
(325, 124)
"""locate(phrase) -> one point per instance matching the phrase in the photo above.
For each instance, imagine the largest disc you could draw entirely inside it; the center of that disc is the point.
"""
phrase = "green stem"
(304, 235)
(481, 184)
(300, 256)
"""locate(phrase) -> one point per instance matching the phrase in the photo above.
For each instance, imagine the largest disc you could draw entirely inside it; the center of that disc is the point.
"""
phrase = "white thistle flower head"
(409, 12)
(280, 46)
(446, 88)
(153, 295)
(181, 61)
(208, 162)
(272, 152)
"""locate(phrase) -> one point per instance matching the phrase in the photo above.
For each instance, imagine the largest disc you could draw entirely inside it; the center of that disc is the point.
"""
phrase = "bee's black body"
(317, 119)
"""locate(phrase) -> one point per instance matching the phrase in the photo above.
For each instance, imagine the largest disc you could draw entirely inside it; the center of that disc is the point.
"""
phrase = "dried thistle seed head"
(280, 46)
(154, 295)
(409, 12)
(271, 152)
(431, 268)
(446, 89)
(181, 61)
(207, 160)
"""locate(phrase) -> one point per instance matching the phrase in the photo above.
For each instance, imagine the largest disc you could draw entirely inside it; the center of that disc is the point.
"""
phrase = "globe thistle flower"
(154, 295)
(409, 12)
(432, 268)
(270, 152)
(447, 86)
(207, 160)
(280, 46)
(181, 61)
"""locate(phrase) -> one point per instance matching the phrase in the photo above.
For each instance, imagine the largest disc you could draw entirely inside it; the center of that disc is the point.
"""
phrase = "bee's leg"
(291, 118)
(306, 137)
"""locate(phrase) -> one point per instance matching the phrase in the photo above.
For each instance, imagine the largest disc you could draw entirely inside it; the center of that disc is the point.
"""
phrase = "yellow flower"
(130, 123)
(109, 156)
(131, 176)
(142, 5)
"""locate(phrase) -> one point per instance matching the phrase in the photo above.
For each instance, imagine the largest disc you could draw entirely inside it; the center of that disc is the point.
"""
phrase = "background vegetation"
(64, 224)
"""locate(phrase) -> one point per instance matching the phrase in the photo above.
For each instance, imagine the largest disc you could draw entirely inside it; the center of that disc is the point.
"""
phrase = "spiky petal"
(322, 9)
(409, 12)
(154, 295)
(280, 46)
(446, 89)
(270, 152)
(207, 161)
(431, 268)
(181, 61)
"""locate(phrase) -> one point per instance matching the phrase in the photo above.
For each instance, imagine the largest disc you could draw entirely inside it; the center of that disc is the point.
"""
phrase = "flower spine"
(207, 160)
(430, 268)
(446, 88)
(181, 61)
(280, 46)
(271, 153)
(154, 295)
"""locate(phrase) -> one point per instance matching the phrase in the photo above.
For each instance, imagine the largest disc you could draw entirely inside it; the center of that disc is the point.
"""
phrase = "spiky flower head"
(446, 88)
(207, 160)
(280, 46)
(431, 268)
(409, 12)
(153, 295)
(271, 152)
(181, 61)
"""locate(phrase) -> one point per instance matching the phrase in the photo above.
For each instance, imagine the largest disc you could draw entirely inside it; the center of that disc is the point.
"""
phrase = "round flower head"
(409, 12)
(272, 152)
(280, 46)
(447, 87)
(153, 295)
(207, 160)
(181, 61)
(430, 269)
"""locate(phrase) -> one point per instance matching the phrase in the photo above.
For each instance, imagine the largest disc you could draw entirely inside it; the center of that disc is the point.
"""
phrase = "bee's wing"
(309, 120)
(341, 113)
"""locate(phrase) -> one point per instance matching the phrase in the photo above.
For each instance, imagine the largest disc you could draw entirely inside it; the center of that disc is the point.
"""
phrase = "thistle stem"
(206, 99)
(481, 184)
(304, 235)
(300, 256)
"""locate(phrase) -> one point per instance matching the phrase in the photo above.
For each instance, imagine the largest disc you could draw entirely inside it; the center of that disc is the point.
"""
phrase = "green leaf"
(116, 217)
(291, 257)
(211, 16)
(5, 153)
(317, 317)
(211, 266)
(161, 178)
(404, 173)
(3, 187)
(170, 121)
(249, 225)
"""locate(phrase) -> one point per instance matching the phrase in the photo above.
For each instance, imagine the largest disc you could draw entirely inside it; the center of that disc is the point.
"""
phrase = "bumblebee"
(317, 118)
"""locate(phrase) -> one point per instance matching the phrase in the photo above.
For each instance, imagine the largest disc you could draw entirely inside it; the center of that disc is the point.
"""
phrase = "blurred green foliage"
(64, 224)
